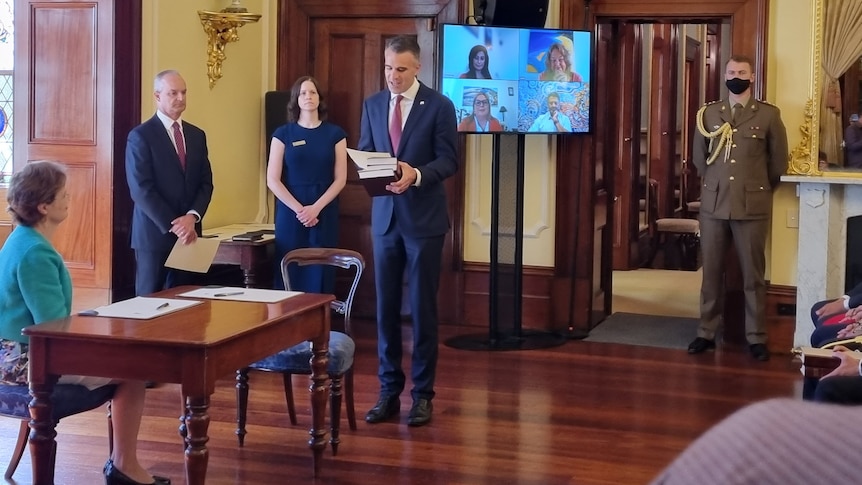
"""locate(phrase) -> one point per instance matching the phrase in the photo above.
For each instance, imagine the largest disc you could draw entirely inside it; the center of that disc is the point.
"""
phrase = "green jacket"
(35, 285)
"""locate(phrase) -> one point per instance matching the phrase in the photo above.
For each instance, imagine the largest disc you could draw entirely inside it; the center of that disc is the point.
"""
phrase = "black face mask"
(737, 86)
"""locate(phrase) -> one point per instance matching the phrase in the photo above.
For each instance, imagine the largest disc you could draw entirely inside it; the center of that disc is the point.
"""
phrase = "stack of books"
(376, 170)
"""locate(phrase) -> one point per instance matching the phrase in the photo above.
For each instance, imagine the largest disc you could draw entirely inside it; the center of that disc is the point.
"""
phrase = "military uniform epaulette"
(766, 103)
(713, 102)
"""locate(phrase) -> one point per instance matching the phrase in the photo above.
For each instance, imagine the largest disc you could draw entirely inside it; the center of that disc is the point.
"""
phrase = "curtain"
(842, 47)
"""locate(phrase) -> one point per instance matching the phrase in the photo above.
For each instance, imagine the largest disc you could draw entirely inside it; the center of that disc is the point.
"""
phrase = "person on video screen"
(558, 65)
(481, 119)
(477, 64)
(553, 120)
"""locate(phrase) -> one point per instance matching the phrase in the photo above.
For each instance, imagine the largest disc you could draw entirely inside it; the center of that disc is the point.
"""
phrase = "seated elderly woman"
(35, 287)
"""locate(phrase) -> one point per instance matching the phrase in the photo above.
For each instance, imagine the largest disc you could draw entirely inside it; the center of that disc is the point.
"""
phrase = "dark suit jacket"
(741, 186)
(160, 189)
(428, 144)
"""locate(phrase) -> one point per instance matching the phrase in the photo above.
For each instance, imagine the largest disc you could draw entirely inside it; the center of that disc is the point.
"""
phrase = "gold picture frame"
(804, 156)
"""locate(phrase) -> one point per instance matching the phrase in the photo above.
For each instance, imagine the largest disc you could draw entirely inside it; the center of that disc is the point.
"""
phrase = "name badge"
(299, 143)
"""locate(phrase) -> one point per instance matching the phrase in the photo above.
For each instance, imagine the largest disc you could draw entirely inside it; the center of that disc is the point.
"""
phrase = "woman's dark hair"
(293, 104)
(38, 183)
(471, 73)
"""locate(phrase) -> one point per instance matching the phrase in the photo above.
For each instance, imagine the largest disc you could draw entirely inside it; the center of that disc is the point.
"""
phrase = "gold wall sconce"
(221, 28)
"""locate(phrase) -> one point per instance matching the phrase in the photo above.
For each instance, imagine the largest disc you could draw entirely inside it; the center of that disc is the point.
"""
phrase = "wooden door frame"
(577, 185)
(661, 154)
(626, 151)
(689, 186)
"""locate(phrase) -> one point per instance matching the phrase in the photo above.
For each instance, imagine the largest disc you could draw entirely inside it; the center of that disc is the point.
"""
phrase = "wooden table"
(193, 347)
(253, 257)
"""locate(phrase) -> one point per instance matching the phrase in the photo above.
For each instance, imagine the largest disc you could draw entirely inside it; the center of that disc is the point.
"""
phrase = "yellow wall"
(231, 113)
(789, 87)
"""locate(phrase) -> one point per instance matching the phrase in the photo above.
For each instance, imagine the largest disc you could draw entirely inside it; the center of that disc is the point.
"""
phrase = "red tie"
(181, 145)
(395, 125)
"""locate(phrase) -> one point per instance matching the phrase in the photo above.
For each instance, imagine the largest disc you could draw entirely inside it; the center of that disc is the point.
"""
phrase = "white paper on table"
(197, 256)
(141, 308)
(240, 294)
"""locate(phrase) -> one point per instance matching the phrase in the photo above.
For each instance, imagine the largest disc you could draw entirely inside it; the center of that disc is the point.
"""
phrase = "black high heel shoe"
(113, 476)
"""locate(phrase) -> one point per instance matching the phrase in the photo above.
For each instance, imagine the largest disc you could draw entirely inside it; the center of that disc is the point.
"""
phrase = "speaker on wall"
(511, 13)
(275, 113)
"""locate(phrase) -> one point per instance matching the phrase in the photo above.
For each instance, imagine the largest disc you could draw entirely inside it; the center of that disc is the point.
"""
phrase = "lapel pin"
(421, 103)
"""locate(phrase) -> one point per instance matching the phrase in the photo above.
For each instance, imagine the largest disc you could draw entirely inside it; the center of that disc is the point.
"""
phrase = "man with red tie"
(416, 125)
(170, 180)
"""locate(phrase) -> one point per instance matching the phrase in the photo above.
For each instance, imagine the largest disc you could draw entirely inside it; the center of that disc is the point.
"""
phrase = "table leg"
(249, 277)
(197, 454)
(318, 389)
(43, 447)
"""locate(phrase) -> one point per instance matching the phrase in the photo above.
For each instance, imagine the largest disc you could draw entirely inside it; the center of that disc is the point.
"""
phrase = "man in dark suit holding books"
(170, 180)
(416, 125)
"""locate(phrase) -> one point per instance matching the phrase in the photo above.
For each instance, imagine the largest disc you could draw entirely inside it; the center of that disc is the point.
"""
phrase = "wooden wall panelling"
(690, 181)
(341, 43)
(661, 126)
(714, 71)
(63, 104)
(620, 70)
(127, 114)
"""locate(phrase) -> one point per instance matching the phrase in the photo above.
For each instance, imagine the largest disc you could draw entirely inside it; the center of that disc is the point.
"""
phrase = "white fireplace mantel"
(825, 204)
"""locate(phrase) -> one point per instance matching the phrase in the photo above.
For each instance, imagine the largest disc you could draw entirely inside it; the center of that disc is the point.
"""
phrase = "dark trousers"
(419, 258)
(839, 390)
(151, 275)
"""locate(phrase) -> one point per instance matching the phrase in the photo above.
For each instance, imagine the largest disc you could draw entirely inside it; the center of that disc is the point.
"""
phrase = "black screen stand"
(506, 258)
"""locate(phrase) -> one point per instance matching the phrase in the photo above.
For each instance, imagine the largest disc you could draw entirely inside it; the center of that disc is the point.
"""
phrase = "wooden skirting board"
(780, 317)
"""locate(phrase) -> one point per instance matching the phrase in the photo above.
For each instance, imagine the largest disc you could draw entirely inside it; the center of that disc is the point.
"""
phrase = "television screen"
(517, 80)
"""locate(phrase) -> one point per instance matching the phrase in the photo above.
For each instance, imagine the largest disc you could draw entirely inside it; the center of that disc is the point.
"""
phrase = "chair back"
(652, 206)
(337, 257)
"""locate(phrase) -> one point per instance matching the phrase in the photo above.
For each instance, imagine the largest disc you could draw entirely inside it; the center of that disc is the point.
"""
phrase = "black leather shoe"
(759, 352)
(113, 476)
(700, 345)
(386, 407)
(420, 413)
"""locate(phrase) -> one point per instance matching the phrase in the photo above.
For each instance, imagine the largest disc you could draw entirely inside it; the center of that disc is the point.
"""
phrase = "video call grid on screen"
(517, 90)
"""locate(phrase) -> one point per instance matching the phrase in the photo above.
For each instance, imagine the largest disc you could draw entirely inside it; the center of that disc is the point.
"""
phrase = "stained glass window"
(7, 64)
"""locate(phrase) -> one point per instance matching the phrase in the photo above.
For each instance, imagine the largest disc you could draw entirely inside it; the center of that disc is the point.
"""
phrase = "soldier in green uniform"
(740, 150)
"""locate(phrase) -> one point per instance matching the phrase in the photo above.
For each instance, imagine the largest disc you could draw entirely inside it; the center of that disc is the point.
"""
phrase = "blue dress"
(308, 171)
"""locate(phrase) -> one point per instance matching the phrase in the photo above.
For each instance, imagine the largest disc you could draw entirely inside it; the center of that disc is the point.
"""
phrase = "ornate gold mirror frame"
(804, 157)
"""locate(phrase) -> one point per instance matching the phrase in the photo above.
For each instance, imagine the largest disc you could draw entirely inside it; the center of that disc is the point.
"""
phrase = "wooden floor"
(581, 413)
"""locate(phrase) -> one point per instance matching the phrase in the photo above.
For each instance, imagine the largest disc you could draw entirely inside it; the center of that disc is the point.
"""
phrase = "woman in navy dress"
(307, 169)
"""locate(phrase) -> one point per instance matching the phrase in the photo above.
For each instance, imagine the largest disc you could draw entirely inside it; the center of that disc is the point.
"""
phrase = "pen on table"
(163, 305)
(229, 294)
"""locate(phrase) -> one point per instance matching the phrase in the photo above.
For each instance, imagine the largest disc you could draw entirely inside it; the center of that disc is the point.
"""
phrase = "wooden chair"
(296, 359)
(68, 399)
(690, 192)
(687, 230)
